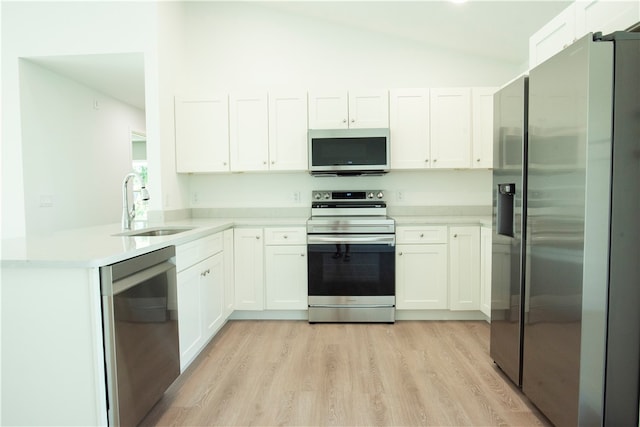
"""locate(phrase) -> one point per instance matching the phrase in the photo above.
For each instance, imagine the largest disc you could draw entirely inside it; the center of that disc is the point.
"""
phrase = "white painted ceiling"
(495, 29)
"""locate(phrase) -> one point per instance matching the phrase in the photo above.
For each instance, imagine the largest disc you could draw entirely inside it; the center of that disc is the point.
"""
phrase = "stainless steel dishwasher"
(140, 325)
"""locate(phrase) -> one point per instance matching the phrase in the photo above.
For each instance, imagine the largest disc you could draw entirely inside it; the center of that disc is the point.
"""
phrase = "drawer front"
(193, 252)
(422, 234)
(285, 236)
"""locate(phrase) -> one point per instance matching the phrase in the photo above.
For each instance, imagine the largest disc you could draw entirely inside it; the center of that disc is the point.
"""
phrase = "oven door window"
(351, 269)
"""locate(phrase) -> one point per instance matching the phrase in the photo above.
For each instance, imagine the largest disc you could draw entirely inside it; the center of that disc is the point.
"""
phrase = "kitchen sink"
(154, 232)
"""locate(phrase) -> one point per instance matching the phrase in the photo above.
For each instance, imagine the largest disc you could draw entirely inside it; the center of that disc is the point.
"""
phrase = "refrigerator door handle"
(505, 208)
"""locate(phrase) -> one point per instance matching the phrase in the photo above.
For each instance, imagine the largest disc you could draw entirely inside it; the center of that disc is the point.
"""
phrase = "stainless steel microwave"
(348, 151)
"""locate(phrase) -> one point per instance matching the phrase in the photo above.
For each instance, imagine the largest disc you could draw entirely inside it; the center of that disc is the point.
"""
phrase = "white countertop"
(100, 245)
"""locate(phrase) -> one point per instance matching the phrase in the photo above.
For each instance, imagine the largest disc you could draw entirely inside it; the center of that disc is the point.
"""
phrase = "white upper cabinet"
(579, 18)
(553, 37)
(605, 16)
(451, 128)
(355, 109)
(369, 109)
(249, 132)
(482, 99)
(202, 134)
(328, 110)
(409, 128)
(288, 131)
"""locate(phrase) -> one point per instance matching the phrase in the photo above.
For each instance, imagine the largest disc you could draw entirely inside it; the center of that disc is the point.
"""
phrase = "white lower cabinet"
(286, 268)
(421, 268)
(229, 285)
(286, 274)
(200, 292)
(248, 255)
(485, 271)
(464, 268)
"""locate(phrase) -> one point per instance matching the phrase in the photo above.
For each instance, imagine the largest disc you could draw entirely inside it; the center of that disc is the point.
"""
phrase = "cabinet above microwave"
(349, 151)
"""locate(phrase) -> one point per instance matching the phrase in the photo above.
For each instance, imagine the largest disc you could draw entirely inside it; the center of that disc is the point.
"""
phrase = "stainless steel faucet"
(129, 214)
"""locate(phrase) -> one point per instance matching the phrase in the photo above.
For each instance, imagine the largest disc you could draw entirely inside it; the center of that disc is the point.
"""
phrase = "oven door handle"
(349, 238)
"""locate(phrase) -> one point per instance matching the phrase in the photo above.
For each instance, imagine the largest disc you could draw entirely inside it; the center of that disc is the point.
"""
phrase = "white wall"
(168, 190)
(31, 29)
(417, 188)
(74, 155)
(239, 46)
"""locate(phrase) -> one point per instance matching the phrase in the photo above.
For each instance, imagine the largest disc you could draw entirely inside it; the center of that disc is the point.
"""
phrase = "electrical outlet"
(296, 196)
(195, 198)
(399, 195)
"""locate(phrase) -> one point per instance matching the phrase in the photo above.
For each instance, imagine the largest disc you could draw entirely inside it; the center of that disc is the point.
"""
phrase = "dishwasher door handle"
(141, 276)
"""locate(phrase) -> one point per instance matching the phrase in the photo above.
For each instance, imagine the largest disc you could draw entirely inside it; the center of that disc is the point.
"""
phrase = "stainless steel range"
(351, 253)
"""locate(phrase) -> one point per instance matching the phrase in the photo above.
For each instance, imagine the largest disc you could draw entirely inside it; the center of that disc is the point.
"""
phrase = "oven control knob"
(370, 195)
(380, 195)
(327, 196)
(317, 196)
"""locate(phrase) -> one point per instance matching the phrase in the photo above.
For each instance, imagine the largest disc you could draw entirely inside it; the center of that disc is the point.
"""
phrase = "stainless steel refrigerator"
(578, 290)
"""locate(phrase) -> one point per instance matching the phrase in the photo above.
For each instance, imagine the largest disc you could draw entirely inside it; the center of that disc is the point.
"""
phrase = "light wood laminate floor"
(268, 373)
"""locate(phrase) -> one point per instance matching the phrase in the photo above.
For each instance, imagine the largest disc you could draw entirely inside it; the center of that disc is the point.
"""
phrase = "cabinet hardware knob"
(400, 254)
(257, 237)
(455, 235)
(285, 236)
(273, 162)
(421, 235)
(435, 160)
(344, 120)
(301, 254)
(477, 160)
(426, 160)
(264, 162)
(224, 163)
(353, 120)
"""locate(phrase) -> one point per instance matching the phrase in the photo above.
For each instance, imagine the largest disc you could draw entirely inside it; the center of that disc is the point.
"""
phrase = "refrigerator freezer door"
(509, 183)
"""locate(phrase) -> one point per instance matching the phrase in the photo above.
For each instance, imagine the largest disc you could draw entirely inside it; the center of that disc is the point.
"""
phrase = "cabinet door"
(553, 37)
(288, 131)
(464, 268)
(485, 271)
(248, 254)
(189, 314)
(249, 132)
(286, 277)
(421, 272)
(605, 16)
(229, 290)
(369, 109)
(451, 128)
(409, 128)
(482, 127)
(328, 110)
(212, 295)
(202, 134)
